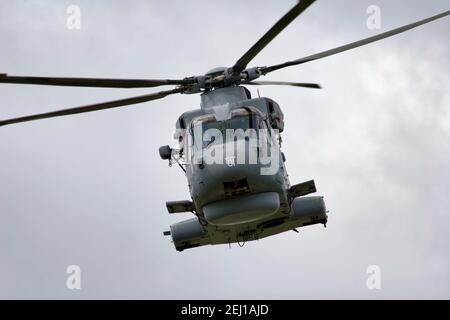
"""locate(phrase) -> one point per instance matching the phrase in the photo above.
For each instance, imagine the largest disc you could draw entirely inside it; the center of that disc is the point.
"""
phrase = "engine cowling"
(309, 210)
(188, 234)
(186, 230)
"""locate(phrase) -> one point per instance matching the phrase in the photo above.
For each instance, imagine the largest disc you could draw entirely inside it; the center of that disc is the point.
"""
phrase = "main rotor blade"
(353, 44)
(241, 64)
(93, 107)
(285, 83)
(91, 82)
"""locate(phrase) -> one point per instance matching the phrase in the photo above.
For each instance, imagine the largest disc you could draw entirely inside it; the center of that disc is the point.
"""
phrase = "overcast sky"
(90, 189)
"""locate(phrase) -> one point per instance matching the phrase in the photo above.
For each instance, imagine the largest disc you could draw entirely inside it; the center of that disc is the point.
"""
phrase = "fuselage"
(235, 170)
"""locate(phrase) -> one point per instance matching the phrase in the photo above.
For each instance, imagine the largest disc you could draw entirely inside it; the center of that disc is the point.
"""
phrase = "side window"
(265, 133)
(189, 144)
(263, 126)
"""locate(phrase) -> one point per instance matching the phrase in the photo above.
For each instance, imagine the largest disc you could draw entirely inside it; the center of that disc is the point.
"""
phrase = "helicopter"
(229, 148)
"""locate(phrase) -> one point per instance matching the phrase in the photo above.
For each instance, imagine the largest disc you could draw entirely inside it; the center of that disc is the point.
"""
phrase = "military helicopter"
(233, 201)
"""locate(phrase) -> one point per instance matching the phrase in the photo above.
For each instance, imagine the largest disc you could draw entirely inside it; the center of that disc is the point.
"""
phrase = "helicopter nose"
(233, 191)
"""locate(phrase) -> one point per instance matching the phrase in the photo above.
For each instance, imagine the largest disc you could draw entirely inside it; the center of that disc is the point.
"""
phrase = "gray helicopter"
(229, 148)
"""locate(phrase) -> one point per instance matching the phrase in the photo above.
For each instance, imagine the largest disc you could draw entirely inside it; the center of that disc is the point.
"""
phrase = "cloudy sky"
(90, 189)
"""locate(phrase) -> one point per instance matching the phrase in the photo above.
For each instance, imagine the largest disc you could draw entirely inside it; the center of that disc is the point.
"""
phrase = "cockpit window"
(240, 119)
